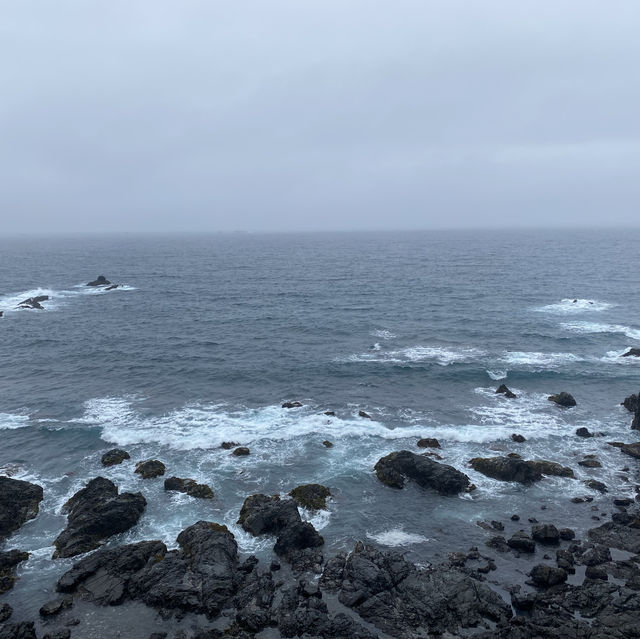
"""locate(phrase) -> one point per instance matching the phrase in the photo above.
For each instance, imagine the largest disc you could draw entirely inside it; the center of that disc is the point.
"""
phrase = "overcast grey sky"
(130, 115)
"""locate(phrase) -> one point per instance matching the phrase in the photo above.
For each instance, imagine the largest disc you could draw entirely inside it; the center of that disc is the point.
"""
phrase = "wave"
(539, 360)
(497, 374)
(568, 306)
(444, 356)
(9, 421)
(397, 537)
(586, 328)
(382, 333)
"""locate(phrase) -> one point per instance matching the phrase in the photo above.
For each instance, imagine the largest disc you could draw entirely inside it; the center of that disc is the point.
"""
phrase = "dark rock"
(34, 302)
(623, 502)
(523, 601)
(8, 562)
(595, 555)
(522, 542)
(188, 486)
(395, 468)
(428, 442)
(506, 469)
(631, 403)
(577, 500)
(567, 534)
(515, 517)
(563, 399)
(311, 496)
(21, 630)
(498, 542)
(241, 451)
(552, 468)
(19, 502)
(327, 444)
(631, 449)
(297, 537)
(502, 389)
(150, 469)
(264, 515)
(54, 607)
(229, 445)
(518, 439)
(112, 287)
(583, 432)
(101, 280)
(5, 612)
(632, 352)
(291, 405)
(565, 560)
(594, 484)
(545, 534)
(596, 572)
(361, 413)
(95, 513)
(58, 633)
(545, 576)
(115, 456)
(590, 462)
(330, 413)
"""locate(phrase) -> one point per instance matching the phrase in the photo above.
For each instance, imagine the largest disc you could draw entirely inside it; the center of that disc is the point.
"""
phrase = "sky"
(273, 115)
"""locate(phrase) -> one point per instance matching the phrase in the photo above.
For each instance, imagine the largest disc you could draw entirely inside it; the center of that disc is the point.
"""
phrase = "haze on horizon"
(209, 115)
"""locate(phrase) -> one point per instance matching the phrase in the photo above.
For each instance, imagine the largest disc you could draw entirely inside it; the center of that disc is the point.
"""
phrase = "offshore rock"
(292, 405)
(188, 486)
(631, 449)
(632, 352)
(150, 469)
(101, 280)
(428, 442)
(507, 469)
(406, 602)
(394, 469)
(8, 562)
(115, 456)
(311, 496)
(34, 302)
(94, 513)
(520, 541)
(563, 399)
(241, 451)
(264, 515)
(19, 502)
(504, 390)
(583, 432)
(552, 468)
(631, 403)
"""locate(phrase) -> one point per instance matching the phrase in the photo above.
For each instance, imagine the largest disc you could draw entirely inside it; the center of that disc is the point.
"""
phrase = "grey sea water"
(209, 335)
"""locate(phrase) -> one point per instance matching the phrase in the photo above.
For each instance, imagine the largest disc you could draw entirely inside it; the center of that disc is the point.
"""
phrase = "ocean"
(207, 336)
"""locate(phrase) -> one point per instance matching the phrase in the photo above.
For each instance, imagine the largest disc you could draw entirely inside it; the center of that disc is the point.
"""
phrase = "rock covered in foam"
(19, 502)
(101, 280)
(395, 468)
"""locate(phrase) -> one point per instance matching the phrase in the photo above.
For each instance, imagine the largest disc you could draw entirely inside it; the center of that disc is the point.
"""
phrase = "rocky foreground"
(529, 580)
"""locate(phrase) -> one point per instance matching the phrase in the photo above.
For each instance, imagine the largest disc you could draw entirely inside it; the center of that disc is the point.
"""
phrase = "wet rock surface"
(9, 560)
(114, 457)
(566, 400)
(150, 469)
(311, 496)
(507, 469)
(188, 486)
(19, 502)
(95, 513)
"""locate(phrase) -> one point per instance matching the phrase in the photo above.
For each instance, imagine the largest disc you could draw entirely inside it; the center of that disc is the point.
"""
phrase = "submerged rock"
(229, 445)
(242, 451)
(291, 405)
(504, 390)
(19, 502)
(590, 462)
(115, 456)
(5, 612)
(361, 413)
(112, 287)
(8, 562)
(188, 486)
(394, 469)
(428, 442)
(101, 280)
(563, 399)
(311, 496)
(327, 444)
(594, 484)
(20, 630)
(584, 432)
(150, 469)
(552, 468)
(95, 513)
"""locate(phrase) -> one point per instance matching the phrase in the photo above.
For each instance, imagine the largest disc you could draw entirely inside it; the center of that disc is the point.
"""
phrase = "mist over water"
(209, 335)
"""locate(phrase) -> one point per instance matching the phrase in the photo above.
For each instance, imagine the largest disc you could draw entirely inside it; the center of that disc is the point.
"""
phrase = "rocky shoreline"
(530, 578)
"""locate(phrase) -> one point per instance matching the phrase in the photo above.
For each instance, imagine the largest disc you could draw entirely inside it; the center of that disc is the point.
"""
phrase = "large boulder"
(8, 562)
(101, 280)
(631, 449)
(95, 513)
(545, 576)
(114, 456)
(264, 515)
(311, 496)
(19, 502)
(632, 352)
(563, 399)
(188, 486)
(545, 534)
(631, 403)
(551, 468)
(506, 469)
(635, 424)
(394, 469)
(150, 469)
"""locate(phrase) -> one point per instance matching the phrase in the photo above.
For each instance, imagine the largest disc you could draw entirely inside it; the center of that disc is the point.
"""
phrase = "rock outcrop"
(563, 399)
(95, 513)
(34, 302)
(188, 486)
(311, 496)
(114, 456)
(101, 280)
(8, 562)
(507, 469)
(19, 502)
(394, 469)
(504, 390)
(632, 352)
(150, 469)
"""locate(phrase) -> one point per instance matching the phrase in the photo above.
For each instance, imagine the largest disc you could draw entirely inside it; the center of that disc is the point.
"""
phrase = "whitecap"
(9, 421)
(568, 306)
(586, 328)
(537, 359)
(441, 355)
(397, 537)
(497, 374)
(382, 333)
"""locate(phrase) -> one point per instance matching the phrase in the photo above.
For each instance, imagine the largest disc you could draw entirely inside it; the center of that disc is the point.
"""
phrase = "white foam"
(568, 306)
(537, 359)
(397, 537)
(444, 356)
(615, 357)
(377, 347)
(384, 334)
(497, 374)
(11, 422)
(586, 328)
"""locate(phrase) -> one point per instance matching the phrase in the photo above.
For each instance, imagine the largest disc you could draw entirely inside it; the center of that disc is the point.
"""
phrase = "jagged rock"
(242, 451)
(395, 468)
(299, 544)
(8, 562)
(623, 532)
(563, 399)
(567, 534)
(632, 352)
(327, 444)
(631, 449)
(188, 486)
(361, 413)
(34, 302)
(5, 612)
(406, 602)
(594, 484)
(329, 413)
(506, 469)
(583, 432)
(19, 502)
(545, 576)
(264, 515)
(522, 542)
(21, 630)
(54, 607)
(58, 633)
(503, 390)
(115, 456)
(545, 533)
(518, 439)
(101, 280)
(229, 445)
(112, 287)
(595, 555)
(631, 403)
(311, 496)
(565, 560)
(596, 572)
(95, 513)
(291, 405)
(428, 442)
(150, 469)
